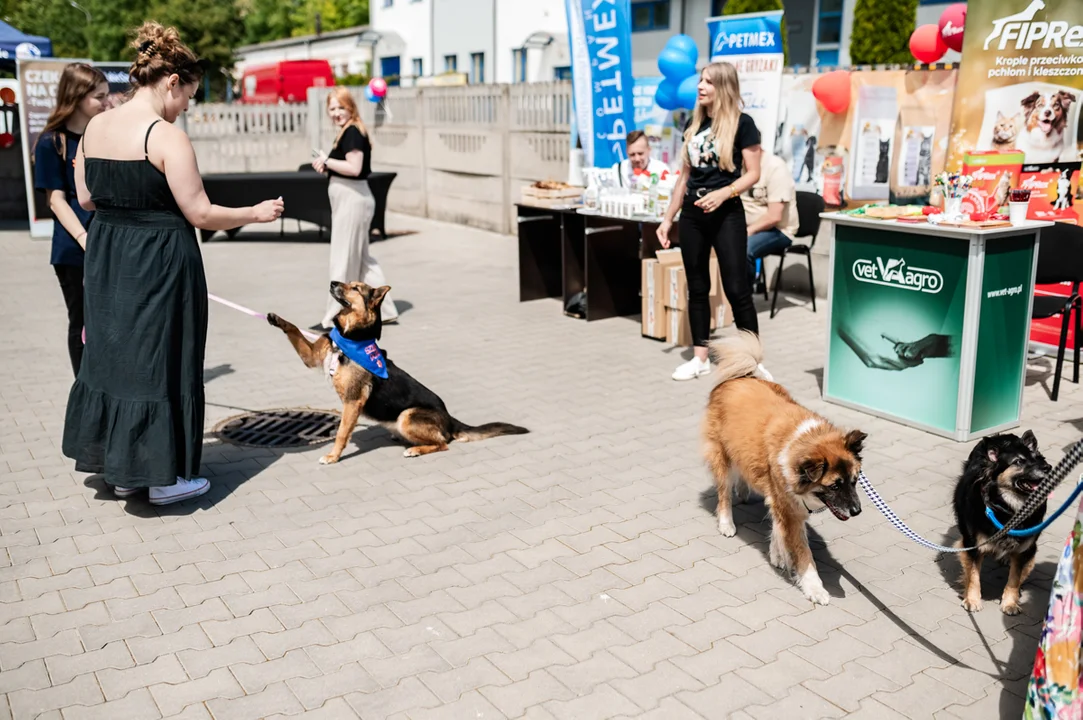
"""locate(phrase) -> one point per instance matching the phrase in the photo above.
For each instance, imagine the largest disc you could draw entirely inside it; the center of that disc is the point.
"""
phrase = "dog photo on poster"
(1019, 85)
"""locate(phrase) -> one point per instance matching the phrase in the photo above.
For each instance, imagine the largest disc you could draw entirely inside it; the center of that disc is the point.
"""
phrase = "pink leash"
(253, 313)
(241, 308)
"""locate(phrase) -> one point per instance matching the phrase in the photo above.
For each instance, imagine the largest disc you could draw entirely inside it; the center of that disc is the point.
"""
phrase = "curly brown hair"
(159, 54)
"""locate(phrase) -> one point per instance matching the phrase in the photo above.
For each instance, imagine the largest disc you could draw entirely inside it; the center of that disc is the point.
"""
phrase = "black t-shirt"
(703, 156)
(53, 172)
(352, 139)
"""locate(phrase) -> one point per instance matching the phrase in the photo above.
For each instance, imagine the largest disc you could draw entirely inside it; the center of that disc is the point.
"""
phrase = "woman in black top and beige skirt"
(719, 142)
(352, 205)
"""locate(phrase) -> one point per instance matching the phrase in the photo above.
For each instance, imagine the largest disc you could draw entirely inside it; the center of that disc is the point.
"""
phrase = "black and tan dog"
(399, 402)
(1001, 473)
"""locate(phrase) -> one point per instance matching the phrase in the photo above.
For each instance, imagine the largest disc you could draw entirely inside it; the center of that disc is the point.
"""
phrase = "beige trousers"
(352, 208)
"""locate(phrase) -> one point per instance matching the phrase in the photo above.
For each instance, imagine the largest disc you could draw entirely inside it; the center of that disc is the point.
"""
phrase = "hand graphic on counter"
(907, 354)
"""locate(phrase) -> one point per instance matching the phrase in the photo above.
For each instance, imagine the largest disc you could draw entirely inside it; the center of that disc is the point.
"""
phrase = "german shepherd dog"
(1001, 473)
(399, 402)
(756, 436)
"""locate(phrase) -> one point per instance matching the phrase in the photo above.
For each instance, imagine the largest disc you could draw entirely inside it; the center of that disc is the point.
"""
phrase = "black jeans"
(71, 284)
(724, 230)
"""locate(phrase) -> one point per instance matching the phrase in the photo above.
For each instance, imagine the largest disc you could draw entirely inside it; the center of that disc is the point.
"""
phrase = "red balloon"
(833, 90)
(378, 87)
(952, 23)
(926, 44)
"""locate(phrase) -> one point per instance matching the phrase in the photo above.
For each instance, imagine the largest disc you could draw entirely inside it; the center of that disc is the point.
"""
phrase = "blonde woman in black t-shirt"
(352, 205)
(721, 161)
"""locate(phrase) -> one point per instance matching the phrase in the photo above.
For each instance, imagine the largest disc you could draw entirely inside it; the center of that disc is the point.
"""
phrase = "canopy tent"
(16, 44)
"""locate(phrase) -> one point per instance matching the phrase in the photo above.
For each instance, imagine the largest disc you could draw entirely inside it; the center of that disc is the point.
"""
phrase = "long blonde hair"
(340, 93)
(725, 112)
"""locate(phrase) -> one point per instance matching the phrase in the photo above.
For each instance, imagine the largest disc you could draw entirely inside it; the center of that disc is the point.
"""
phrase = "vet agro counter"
(928, 325)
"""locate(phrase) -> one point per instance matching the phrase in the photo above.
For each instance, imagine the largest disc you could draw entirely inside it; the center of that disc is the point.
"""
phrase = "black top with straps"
(129, 184)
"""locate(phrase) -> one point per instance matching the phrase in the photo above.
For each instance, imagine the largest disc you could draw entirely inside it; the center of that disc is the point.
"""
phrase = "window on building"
(716, 7)
(518, 65)
(477, 68)
(650, 15)
(564, 72)
(388, 3)
(828, 38)
(451, 63)
(418, 65)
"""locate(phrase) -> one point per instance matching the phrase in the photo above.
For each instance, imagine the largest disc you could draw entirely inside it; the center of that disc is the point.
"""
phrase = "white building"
(488, 40)
(527, 40)
(349, 51)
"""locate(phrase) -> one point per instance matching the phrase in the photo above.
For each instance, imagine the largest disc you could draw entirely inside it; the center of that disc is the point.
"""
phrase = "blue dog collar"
(364, 352)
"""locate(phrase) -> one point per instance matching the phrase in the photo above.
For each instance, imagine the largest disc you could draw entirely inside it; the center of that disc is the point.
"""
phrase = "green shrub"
(881, 32)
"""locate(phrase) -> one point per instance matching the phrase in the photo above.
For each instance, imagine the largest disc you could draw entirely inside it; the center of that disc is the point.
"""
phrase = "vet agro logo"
(895, 273)
(1025, 32)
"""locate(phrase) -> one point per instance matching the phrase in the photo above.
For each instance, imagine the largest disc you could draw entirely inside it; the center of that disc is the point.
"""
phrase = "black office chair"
(1060, 259)
(809, 207)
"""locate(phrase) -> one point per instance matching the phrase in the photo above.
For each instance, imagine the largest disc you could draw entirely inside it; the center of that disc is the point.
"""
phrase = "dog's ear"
(992, 453)
(1066, 98)
(1030, 101)
(855, 442)
(812, 470)
(378, 295)
(1030, 441)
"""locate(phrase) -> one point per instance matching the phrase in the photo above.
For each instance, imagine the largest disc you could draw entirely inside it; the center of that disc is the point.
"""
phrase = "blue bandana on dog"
(363, 352)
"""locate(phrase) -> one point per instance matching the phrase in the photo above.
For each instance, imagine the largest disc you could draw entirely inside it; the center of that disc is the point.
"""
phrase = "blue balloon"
(666, 95)
(370, 96)
(676, 65)
(686, 45)
(687, 92)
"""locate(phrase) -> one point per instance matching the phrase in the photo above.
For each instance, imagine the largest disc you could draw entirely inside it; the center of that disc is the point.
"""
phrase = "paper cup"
(1017, 212)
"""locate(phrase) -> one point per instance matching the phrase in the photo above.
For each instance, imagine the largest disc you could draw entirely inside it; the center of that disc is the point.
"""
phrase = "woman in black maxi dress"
(135, 412)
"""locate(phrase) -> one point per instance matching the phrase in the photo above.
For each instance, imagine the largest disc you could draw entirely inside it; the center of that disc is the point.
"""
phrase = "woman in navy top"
(79, 97)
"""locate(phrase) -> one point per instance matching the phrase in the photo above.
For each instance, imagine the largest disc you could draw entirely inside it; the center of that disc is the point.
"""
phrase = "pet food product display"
(994, 174)
(1053, 188)
(833, 176)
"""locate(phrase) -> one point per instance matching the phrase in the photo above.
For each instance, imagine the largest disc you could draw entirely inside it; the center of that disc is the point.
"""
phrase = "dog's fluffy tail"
(468, 433)
(737, 356)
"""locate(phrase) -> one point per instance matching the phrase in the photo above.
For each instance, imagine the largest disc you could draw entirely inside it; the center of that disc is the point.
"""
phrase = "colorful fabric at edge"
(1054, 689)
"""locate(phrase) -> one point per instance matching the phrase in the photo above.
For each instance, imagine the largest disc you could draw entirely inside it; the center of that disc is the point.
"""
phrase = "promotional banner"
(600, 38)
(753, 44)
(38, 82)
(663, 127)
(1020, 81)
(896, 325)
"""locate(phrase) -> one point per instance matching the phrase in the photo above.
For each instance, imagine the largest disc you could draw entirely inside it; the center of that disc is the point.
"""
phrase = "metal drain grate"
(285, 428)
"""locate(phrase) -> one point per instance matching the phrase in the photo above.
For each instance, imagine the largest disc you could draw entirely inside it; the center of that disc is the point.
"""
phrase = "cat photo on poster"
(874, 133)
(798, 140)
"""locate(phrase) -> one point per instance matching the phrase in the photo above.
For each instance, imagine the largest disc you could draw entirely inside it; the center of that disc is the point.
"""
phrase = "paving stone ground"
(575, 572)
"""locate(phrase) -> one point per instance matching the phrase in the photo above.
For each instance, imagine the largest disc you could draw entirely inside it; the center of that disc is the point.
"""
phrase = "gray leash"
(1072, 457)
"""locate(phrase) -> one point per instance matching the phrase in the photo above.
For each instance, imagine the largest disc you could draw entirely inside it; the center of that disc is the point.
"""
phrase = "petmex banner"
(600, 38)
(753, 44)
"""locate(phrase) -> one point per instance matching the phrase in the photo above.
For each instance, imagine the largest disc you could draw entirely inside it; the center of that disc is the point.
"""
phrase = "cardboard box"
(1053, 188)
(678, 331)
(654, 309)
(995, 173)
(675, 288)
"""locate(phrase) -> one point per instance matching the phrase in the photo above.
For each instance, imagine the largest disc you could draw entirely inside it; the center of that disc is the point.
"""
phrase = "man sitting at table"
(770, 210)
(639, 159)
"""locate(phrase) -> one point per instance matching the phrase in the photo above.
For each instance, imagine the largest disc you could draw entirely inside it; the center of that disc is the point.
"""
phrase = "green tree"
(881, 32)
(266, 20)
(112, 26)
(740, 7)
(212, 28)
(54, 19)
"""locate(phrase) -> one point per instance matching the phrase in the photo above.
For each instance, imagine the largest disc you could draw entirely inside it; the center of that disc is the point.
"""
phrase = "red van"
(286, 81)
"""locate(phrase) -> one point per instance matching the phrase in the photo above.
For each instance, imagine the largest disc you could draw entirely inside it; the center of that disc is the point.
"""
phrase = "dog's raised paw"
(726, 526)
(813, 587)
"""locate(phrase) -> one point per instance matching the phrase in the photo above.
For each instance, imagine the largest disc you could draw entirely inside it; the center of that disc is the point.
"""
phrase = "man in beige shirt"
(770, 210)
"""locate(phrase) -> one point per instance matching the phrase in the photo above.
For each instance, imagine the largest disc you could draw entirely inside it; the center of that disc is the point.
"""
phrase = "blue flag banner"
(753, 44)
(600, 38)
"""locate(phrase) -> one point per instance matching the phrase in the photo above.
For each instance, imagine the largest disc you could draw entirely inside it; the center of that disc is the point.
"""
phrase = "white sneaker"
(123, 492)
(182, 490)
(762, 374)
(692, 369)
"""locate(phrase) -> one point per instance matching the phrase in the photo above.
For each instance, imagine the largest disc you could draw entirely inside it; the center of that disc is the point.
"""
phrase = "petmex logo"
(1022, 29)
(895, 273)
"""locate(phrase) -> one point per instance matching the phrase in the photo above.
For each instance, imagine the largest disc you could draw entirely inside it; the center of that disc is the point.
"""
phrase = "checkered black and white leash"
(1072, 458)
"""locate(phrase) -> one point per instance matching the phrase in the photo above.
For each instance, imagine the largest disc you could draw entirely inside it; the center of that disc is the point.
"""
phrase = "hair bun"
(159, 53)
